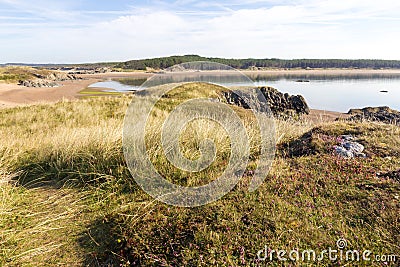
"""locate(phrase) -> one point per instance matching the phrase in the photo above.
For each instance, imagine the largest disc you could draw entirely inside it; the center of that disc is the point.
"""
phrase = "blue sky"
(51, 31)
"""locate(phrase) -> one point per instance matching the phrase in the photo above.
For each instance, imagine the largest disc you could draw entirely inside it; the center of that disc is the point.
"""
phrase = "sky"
(77, 31)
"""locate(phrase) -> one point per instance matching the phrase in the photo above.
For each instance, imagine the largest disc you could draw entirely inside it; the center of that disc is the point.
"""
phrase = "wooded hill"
(249, 63)
(166, 62)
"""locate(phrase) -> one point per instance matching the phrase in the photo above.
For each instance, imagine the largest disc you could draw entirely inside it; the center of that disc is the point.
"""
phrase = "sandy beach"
(12, 95)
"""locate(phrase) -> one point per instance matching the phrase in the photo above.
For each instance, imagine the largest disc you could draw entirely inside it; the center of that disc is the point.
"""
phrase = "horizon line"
(209, 57)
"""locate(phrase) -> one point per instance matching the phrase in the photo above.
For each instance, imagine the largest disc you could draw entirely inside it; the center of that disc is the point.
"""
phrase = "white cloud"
(314, 29)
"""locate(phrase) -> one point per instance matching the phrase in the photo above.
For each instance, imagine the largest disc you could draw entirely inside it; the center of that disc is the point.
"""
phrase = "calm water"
(341, 95)
(115, 86)
(336, 93)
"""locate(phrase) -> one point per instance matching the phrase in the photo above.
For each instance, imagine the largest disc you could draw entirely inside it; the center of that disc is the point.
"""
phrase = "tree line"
(166, 62)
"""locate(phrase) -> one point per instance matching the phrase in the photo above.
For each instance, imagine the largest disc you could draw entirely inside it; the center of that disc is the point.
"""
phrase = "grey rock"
(342, 152)
(60, 77)
(38, 83)
(49, 80)
(349, 148)
(354, 147)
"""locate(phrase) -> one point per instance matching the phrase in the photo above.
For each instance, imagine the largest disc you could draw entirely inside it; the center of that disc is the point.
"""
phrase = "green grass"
(96, 92)
(73, 202)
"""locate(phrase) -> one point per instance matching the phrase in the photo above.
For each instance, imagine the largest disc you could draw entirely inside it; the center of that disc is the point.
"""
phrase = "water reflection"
(323, 77)
(326, 92)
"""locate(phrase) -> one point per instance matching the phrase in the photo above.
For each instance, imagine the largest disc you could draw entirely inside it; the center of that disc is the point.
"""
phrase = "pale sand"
(12, 95)
(322, 116)
(117, 75)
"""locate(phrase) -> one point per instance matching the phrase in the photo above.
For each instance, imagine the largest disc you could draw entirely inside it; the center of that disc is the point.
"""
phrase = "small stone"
(354, 147)
(360, 155)
(344, 153)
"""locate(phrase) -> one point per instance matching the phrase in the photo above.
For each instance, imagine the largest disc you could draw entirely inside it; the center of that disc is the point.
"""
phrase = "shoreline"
(13, 95)
(144, 74)
(322, 116)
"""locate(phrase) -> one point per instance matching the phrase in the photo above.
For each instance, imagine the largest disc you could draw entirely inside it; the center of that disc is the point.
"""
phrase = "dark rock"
(347, 137)
(299, 104)
(310, 143)
(280, 104)
(234, 99)
(39, 76)
(380, 114)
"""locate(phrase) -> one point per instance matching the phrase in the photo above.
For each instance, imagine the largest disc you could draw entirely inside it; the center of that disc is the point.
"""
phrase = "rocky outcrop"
(38, 83)
(48, 80)
(280, 104)
(60, 77)
(57, 76)
(317, 141)
(380, 114)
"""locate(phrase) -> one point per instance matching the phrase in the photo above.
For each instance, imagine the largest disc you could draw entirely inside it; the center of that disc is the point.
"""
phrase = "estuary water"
(325, 92)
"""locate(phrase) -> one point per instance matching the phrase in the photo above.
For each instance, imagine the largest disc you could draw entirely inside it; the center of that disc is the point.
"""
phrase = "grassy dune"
(67, 198)
(14, 74)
